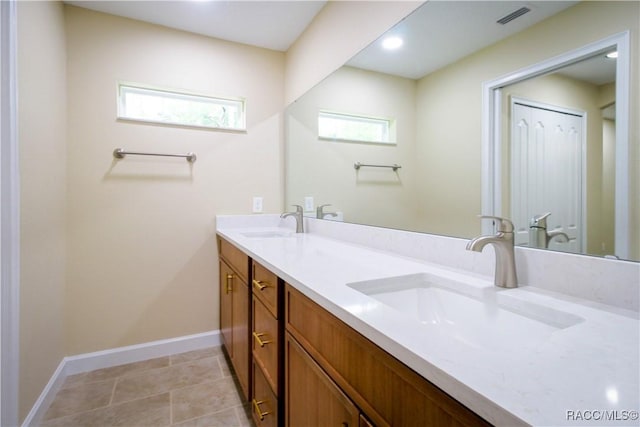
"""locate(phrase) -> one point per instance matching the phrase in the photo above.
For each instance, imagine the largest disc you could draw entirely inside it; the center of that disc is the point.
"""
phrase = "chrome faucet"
(320, 214)
(502, 241)
(538, 235)
(298, 215)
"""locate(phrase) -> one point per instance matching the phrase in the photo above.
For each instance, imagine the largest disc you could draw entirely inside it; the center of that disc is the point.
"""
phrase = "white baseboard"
(135, 353)
(46, 397)
(113, 357)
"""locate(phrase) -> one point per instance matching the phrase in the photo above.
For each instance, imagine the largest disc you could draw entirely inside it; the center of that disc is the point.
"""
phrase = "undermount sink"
(267, 234)
(479, 314)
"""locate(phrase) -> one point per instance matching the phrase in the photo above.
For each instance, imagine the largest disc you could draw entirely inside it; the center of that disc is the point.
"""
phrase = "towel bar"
(358, 165)
(119, 153)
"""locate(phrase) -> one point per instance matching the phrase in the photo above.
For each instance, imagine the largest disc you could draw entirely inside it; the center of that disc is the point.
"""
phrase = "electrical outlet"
(308, 203)
(257, 205)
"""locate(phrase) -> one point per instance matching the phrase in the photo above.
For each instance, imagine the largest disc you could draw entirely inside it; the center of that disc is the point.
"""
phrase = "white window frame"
(389, 122)
(127, 87)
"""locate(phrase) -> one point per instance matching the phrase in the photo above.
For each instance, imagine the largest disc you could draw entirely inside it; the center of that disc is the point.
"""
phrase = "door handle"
(229, 283)
(258, 338)
(256, 407)
(260, 284)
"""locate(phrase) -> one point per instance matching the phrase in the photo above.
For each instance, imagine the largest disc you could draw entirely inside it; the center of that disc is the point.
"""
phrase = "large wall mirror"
(509, 108)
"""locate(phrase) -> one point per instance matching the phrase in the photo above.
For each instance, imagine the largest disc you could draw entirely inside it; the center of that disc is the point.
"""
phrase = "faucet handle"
(299, 208)
(539, 221)
(319, 211)
(503, 224)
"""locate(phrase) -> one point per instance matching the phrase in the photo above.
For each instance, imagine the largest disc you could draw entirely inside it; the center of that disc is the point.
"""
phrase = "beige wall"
(42, 149)
(448, 150)
(606, 97)
(608, 185)
(338, 32)
(607, 94)
(142, 252)
(455, 91)
(324, 169)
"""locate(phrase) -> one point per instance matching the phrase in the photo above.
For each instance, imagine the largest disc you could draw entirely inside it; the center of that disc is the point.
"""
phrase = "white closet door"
(547, 173)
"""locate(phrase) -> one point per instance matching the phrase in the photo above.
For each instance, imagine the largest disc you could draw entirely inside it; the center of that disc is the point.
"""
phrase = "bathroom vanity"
(301, 358)
(343, 333)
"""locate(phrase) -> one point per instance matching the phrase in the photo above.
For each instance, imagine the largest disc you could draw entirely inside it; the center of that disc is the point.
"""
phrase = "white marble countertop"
(585, 374)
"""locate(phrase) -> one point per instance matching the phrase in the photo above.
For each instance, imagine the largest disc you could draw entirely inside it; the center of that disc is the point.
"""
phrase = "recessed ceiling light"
(392, 43)
(612, 55)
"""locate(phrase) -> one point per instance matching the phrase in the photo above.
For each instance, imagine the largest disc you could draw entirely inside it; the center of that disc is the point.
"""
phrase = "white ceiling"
(597, 70)
(442, 32)
(269, 24)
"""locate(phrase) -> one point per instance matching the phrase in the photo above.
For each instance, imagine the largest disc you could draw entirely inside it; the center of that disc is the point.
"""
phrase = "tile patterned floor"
(194, 389)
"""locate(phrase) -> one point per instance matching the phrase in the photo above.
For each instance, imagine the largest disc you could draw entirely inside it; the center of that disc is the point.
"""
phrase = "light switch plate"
(257, 204)
(308, 203)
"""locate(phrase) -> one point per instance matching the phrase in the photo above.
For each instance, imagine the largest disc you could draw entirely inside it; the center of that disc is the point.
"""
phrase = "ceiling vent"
(513, 15)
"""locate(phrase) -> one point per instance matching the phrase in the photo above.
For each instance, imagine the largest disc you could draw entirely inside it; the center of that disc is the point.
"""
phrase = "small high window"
(136, 102)
(351, 127)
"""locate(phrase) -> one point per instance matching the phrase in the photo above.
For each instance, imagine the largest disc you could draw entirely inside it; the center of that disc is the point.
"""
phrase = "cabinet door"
(265, 287)
(234, 257)
(240, 333)
(227, 281)
(313, 399)
(264, 403)
(266, 342)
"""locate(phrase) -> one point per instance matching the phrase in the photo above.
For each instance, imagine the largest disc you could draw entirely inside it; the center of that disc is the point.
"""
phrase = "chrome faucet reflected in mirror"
(502, 241)
(298, 215)
(538, 235)
(320, 214)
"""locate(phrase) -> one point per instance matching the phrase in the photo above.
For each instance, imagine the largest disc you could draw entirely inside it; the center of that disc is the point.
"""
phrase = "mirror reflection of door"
(578, 191)
(547, 152)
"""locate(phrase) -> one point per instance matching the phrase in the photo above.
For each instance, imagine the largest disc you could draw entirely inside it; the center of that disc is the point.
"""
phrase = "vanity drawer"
(264, 404)
(237, 259)
(265, 287)
(265, 342)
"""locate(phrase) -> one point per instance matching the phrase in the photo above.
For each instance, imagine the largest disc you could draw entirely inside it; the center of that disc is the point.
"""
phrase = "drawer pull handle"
(256, 406)
(229, 283)
(258, 338)
(260, 284)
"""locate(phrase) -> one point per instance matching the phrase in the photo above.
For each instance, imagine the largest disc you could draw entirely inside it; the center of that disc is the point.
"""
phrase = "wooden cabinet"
(385, 390)
(264, 402)
(241, 351)
(265, 287)
(299, 365)
(364, 422)
(267, 343)
(227, 276)
(233, 256)
(234, 310)
(312, 398)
